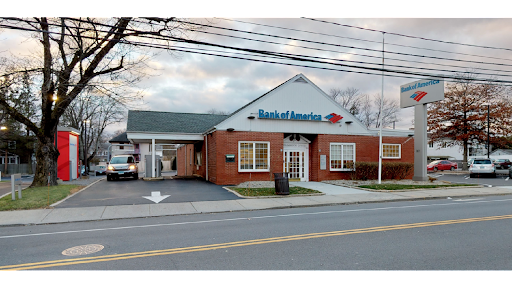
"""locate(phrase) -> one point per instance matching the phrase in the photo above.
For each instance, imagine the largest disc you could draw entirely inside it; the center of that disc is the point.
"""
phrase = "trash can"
(282, 184)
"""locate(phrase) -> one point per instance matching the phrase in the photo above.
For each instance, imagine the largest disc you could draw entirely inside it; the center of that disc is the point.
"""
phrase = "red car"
(441, 165)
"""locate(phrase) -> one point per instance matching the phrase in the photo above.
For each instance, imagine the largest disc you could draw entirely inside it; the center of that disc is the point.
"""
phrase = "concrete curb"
(55, 215)
(407, 190)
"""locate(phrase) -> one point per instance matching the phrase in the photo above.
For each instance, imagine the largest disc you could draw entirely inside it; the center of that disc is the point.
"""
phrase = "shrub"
(390, 170)
(396, 170)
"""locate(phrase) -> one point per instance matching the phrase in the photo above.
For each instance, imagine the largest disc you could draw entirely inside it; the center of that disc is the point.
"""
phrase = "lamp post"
(5, 170)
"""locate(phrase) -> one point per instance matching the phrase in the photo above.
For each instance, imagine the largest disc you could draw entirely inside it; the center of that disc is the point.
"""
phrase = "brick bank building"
(294, 128)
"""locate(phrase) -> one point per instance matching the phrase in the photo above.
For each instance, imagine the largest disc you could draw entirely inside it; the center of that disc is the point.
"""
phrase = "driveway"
(502, 179)
(131, 192)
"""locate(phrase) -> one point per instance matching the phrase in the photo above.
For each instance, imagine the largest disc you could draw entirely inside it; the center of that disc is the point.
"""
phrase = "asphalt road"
(460, 234)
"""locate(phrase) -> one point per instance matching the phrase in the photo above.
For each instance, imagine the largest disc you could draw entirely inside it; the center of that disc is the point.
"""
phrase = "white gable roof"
(296, 96)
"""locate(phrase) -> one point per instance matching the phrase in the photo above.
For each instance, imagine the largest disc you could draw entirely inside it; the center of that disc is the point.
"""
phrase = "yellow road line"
(132, 255)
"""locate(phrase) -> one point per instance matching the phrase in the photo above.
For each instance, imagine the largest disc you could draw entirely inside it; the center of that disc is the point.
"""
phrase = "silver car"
(122, 166)
(482, 167)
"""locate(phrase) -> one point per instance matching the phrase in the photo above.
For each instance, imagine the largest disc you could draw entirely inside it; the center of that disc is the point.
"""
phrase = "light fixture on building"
(410, 135)
(230, 129)
(348, 122)
(250, 117)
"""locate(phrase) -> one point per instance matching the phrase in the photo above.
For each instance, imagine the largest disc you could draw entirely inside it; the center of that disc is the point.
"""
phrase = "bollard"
(16, 180)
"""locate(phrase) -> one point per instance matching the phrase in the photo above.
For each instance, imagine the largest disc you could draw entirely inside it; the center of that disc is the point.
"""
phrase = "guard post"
(15, 180)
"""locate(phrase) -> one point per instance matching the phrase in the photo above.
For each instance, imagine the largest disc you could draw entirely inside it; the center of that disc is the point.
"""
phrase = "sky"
(194, 83)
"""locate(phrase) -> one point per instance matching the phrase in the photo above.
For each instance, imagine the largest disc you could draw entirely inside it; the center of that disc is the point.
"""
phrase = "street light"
(5, 170)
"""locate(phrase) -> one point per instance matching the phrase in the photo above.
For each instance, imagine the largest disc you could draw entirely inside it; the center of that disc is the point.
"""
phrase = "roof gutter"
(209, 131)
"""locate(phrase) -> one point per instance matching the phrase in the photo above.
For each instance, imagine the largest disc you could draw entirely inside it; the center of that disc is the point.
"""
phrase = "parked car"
(101, 170)
(122, 166)
(502, 163)
(441, 165)
(482, 166)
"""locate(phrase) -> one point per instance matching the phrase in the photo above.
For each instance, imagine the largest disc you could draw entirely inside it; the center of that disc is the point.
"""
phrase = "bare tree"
(217, 112)
(349, 98)
(390, 107)
(99, 112)
(366, 115)
(109, 55)
(363, 108)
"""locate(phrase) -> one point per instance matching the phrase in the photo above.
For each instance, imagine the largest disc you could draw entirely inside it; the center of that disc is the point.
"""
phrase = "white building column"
(153, 147)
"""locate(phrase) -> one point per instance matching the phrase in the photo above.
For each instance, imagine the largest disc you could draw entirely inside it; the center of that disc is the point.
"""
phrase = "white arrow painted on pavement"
(156, 197)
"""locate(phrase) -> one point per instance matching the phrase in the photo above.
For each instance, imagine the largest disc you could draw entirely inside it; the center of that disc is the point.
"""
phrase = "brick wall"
(221, 143)
(224, 142)
(367, 150)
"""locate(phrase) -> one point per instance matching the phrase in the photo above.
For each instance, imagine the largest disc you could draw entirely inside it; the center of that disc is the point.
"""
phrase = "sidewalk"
(340, 196)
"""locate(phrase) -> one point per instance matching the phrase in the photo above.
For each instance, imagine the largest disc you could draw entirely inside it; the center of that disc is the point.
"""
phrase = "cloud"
(188, 82)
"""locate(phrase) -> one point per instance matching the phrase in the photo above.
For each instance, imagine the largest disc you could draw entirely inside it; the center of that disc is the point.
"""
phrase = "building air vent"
(300, 80)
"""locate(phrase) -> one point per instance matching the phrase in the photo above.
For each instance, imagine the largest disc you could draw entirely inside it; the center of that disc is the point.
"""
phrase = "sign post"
(418, 94)
(15, 180)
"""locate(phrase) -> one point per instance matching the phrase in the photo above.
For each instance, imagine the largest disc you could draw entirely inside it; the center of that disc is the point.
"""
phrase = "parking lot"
(502, 178)
(131, 192)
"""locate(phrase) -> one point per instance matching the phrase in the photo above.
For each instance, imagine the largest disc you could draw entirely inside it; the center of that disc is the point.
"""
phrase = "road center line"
(132, 255)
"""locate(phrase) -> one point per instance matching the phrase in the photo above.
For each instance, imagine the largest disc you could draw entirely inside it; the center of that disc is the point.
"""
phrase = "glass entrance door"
(294, 164)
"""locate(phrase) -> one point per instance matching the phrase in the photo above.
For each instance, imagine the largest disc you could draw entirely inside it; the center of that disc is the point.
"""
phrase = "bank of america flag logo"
(418, 95)
(333, 117)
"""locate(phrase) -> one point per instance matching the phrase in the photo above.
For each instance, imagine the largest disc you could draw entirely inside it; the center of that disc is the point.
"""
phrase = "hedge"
(390, 170)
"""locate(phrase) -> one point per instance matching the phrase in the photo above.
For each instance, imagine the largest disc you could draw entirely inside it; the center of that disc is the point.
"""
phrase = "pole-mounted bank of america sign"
(421, 92)
(418, 94)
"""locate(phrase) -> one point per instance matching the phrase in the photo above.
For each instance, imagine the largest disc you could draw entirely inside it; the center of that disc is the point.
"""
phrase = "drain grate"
(82, 250)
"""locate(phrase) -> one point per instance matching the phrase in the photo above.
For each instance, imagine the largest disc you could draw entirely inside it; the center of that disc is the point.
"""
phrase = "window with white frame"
(253, 156)
(342, 156)
(391, 151)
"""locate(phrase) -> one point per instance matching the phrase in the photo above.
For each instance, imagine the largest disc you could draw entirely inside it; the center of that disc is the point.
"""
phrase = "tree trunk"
(465, 156)
(48, 167)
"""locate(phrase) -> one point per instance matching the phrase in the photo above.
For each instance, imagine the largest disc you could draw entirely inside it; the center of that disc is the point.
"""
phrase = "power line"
(409, 36)
(272, 53)
(361, 62)
(363, 55)
(365, 40)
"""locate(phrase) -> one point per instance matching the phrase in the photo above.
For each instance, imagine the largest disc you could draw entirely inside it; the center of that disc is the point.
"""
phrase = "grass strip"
(37, 197)
(409, 186)
(255, 192)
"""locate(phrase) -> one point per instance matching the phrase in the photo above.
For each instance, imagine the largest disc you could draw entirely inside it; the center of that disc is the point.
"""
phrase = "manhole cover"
(82, 250)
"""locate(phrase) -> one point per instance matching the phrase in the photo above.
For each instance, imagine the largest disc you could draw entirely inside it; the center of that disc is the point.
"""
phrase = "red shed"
(67, 144)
